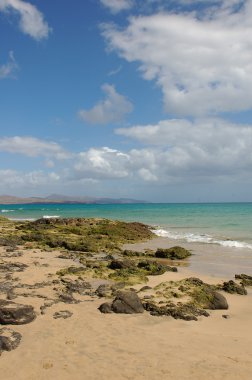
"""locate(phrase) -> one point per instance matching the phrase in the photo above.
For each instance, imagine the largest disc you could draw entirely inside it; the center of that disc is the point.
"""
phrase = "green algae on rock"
(173, 253)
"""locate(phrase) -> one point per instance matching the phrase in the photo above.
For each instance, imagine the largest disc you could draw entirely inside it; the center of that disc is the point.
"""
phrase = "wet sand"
(91, 346)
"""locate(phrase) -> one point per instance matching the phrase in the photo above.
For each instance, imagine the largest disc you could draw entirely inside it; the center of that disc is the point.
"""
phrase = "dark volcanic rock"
(173, 253)
(218, 302)
(67, 298)
(127, 302)
(15, 314)
(186, 312)
(106, 308)
(9, 339)
(121, 264)
(232, 287)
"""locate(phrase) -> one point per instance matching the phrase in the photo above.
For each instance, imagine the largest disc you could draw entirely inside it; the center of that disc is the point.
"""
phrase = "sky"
(143, 99)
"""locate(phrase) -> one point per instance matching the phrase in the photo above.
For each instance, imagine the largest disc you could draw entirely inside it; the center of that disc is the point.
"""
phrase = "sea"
(223, 224)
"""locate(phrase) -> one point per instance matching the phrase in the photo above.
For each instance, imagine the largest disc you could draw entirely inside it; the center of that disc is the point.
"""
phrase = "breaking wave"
(200, 238)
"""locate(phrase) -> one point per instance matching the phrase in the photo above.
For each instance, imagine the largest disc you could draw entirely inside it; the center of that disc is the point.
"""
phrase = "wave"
(200, 238)
(7, 210)
(50, 216)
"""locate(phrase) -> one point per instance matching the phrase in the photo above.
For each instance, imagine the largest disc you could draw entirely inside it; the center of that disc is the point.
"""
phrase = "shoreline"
(91, 345)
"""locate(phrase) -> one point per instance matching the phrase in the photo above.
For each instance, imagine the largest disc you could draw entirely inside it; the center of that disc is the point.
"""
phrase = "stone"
(173, 253)
(9, 339)
(127, 302)
(12, 313)
(232, 287)
(218, 302)
(62, 314)
(106, 308)
(121, 264)
(246, 280)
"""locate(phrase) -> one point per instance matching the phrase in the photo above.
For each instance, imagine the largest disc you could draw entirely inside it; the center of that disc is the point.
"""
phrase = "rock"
(144, 288)
(152, 267)
(127, 302)
(67, 298)
(15, 314)
(186, 312)
(62, 314)
(194, 281)
(246, 279)
(218, 302)
(232, 287)
(103, 290)
(121, 264)
(76, 286)
(226, 316)
(105, 308)
(173, 253)
(9, 339)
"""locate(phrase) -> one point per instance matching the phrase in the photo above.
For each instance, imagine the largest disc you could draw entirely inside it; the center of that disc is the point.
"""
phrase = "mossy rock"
(173, 253)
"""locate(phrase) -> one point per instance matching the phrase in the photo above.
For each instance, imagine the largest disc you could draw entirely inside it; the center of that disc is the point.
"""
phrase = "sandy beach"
(91, 345)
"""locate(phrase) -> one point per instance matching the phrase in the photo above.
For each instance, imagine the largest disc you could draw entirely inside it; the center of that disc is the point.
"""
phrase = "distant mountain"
(59, 198)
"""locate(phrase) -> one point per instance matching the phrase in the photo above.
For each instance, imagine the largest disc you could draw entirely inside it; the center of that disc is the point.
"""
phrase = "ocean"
(224, 224)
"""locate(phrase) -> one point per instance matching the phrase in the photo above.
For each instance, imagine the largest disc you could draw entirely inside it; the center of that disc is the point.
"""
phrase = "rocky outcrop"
(12, 313)
(246, 280)
(121, 264)
(232, 287)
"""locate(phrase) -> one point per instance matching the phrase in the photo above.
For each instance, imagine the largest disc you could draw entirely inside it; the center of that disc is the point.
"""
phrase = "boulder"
(173, 253)
(127, 302)
(12, 313)
(217, 302)
(106, 308)
(121, 264)
(9, 339)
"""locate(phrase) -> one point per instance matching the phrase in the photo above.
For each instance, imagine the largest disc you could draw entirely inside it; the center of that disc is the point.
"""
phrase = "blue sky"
(126, 98)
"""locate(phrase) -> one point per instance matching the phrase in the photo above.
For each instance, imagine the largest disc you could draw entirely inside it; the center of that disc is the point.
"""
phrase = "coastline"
(93, 345)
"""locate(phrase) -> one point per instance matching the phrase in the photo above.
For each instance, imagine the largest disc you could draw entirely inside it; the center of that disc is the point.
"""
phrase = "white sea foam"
(7, 210)
(50, 216)
(200, 238)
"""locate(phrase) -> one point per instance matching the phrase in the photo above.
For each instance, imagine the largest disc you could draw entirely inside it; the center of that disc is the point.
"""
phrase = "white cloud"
(181, 149)
(8, 69)
(102, 163)
(203, 65)
(116, 6)
(110, 110)
(33, 147)
(31, 19)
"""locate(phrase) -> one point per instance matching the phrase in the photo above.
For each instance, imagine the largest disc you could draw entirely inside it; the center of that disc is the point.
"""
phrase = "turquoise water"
(228, 224)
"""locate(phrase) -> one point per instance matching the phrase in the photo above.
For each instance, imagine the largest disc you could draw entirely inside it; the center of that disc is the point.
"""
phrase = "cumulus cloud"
(102, 163)
(31, 20)
(202, 64)
(110, 110)
(116, 6)
(33, 147)
(8, 69)
(204, 148)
